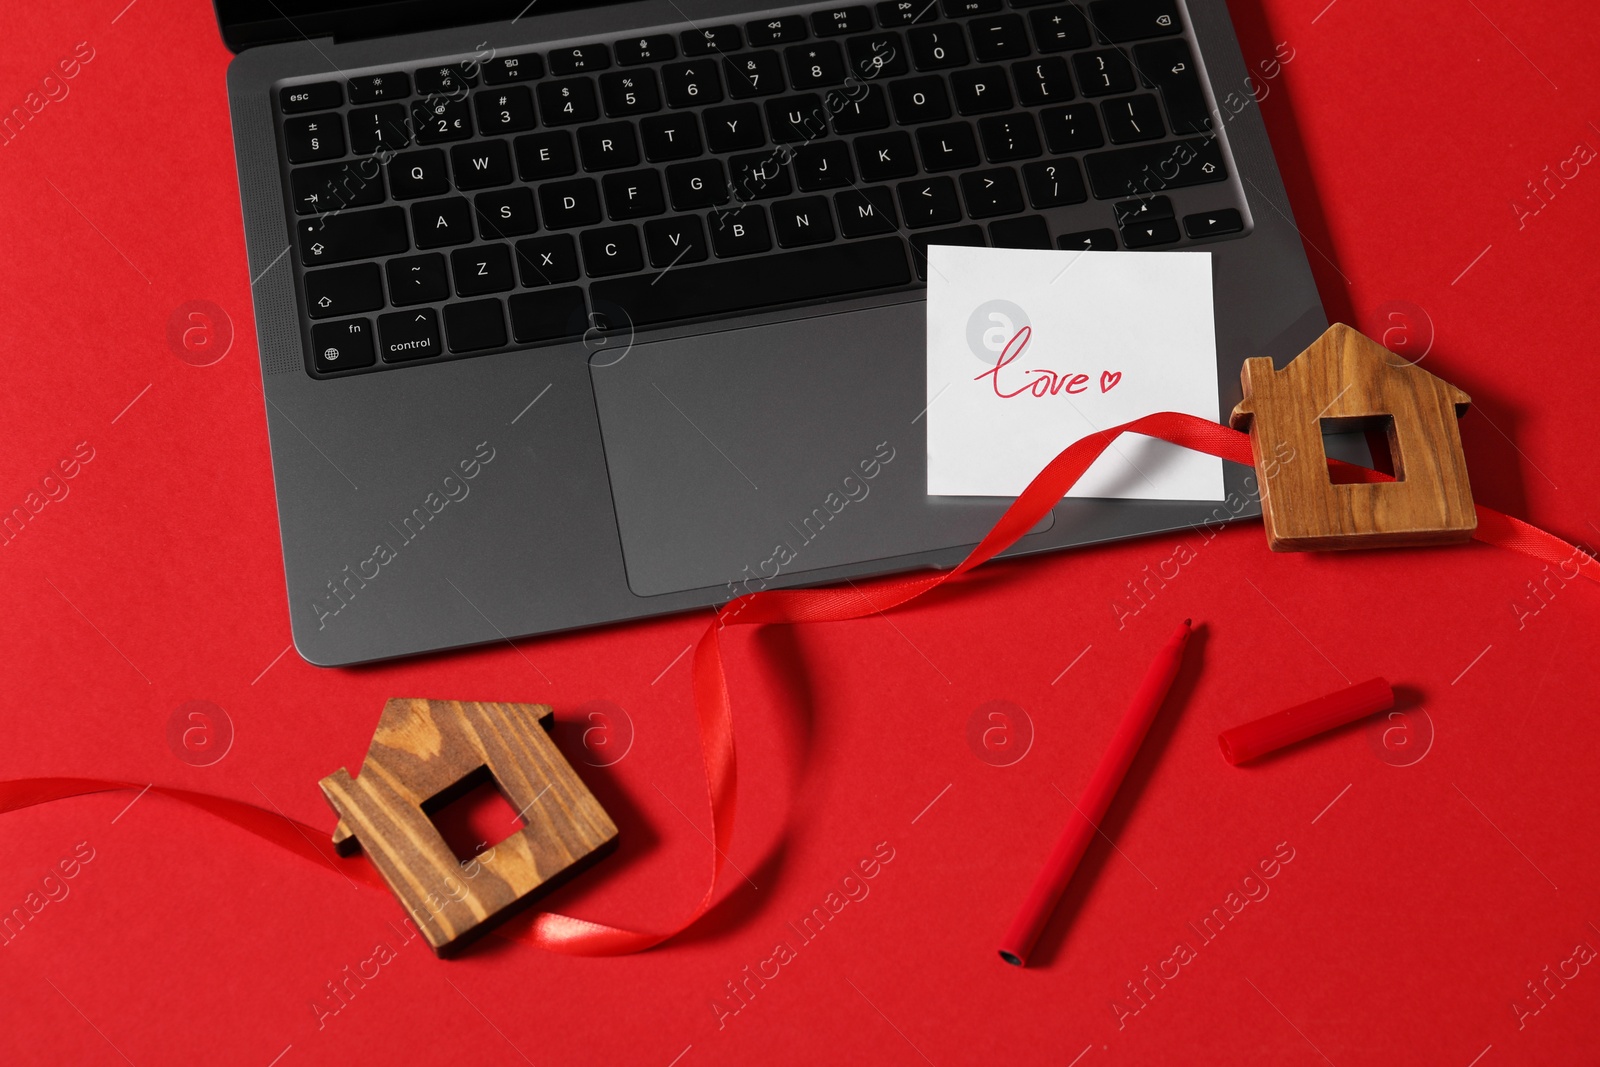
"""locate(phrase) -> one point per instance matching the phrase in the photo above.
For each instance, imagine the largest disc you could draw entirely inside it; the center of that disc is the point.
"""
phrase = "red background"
(1414, 911)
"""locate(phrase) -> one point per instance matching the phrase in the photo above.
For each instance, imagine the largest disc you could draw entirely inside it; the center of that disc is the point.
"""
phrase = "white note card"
(1030, 350)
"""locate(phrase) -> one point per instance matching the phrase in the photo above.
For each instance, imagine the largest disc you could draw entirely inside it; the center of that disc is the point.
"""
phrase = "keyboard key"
(991, 192)
(1103, 72)
(675, 240)
(955, 9)
(1054, 183)
(568, 204)
(1008, 137)
(630, 92)
(579, 59)
(822, 165)
(929, 202)
(668, 137)
(961, 235)
(1213, 223)
(337, 346)
(1152, 232)
(938, 47)
(545, 155)
(547, 260)
(375, 88)
(867, 112)
(436, 120)
(438, 223)
(1148, 207)
(947, 147)
(981, 91)
(409, 335)
(999, 37)
(709, 40)
(1060, 29)
(343, 290)
(474, 326)
(503, 70)
(607, 146)
(480, 270)
(739, 231)
(697, 185)
(882, 55)
(1026, 232)
(805, 221)
(548, 315)
(1130, 20)
(781, 29)
(505, 213)
(1088, 240)
(693, 82)
(422, 173)
(318, 96)
(1133, 118)
(866, 212)
(417, 280)
(481, 164)
(882, 156)
(352, 235)
(633, 194)
(1042, 81)
(797, 118)
(508, 110)
(815, 65)
(753, 74)
(1170, 65)
(758, 176)
(1156, 167)
(919, 100)
(314, 137)
(731, 128)
(906, 12)
(611, 250)
(656, 49)
(1072, 128)
(446, 80)
(374, 128)
(335, 187)
(839, 20)
(567, 102)
(747, 284)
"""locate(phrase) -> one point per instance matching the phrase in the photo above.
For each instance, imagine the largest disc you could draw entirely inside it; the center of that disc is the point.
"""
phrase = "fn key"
(337, 346)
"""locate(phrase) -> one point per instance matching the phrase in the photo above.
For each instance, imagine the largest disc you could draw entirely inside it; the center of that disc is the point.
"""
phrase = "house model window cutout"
(1346, 380)
(424, 748)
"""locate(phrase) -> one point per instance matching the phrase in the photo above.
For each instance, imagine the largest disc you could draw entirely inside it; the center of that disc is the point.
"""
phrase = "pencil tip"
(1188, 622)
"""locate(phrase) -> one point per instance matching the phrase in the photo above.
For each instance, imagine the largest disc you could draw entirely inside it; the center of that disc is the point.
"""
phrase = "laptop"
(571, 312)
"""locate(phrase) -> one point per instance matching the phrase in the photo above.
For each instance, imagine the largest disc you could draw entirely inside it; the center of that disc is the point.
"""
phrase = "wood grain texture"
(1349, 381)
(422, 748)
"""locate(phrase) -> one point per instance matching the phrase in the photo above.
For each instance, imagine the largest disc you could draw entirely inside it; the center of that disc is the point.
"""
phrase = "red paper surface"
(1430, 880)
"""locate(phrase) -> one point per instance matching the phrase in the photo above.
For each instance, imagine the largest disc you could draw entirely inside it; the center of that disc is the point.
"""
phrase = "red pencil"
(1081, 825)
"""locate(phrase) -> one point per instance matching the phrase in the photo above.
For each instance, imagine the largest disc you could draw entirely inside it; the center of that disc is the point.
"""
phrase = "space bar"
(757, 282)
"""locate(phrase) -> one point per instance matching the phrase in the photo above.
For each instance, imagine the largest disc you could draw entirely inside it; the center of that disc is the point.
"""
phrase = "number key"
(504, 110)
(815, 64)
(564, 103)
(630, 92)
(439, 120)
(694, 82)
(937, 47)
(754, 74)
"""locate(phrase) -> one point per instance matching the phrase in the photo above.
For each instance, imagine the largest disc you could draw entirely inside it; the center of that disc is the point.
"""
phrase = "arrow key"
(408, 335)
(343, 291)
(1150, 232)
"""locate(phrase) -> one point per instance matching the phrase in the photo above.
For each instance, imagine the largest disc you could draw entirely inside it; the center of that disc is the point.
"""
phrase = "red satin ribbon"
(564, 933)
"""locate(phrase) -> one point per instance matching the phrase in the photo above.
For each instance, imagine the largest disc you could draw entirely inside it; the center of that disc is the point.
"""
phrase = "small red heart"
(1109, 379)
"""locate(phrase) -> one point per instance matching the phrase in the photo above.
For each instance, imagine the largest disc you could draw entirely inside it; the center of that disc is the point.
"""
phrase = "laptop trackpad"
(775, 450)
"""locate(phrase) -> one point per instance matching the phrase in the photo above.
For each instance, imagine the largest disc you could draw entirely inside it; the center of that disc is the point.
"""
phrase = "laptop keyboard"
(525, 198)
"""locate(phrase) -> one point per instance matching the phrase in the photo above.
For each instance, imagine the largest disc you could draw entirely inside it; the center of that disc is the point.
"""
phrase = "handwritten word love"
(1047, 382)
